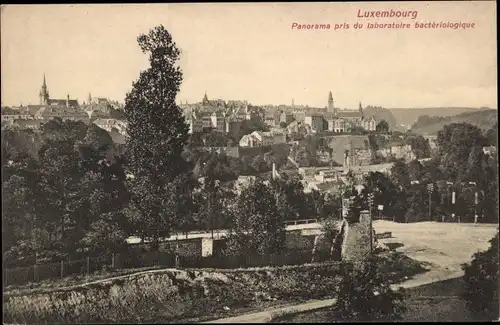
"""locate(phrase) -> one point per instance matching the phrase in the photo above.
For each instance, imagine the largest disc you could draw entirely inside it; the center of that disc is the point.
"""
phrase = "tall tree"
(157, 134)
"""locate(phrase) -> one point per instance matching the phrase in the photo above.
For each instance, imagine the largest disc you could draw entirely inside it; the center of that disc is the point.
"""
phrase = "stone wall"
(356, 245)
(187, 247)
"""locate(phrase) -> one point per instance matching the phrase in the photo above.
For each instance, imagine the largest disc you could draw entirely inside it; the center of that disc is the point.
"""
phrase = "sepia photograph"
(245, 162)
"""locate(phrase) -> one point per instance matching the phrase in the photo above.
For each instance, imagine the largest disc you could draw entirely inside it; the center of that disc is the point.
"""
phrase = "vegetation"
(483, 119)
(382, 127)
(365, 295)
(167, 296)
(258, 222)
(481, 282)
(460, 166)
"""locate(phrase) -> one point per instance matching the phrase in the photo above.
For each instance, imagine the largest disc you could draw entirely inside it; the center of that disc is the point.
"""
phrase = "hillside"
(483, 119)
(408, 116)
(381, 113)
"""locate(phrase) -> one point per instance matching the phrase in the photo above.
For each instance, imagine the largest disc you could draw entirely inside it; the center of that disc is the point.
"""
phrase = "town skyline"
(447, 68)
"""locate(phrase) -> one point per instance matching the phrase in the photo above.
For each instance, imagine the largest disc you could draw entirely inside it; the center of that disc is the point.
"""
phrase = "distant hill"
(408, 116)
(381, 113)
(484, 119)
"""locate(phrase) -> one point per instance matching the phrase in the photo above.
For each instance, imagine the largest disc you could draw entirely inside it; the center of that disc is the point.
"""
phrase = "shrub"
(365, 294)
(481, 282)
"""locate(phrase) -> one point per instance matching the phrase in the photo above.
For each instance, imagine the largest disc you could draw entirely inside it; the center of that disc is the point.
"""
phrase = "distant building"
(62, 112)
(110, 124)
(349, 150)
(228, 151)
(339, 121)
(218, 122)
(258, 139)
(315, 121)
(285, 117)
(27, 123)
(369, 124)
(216, 115)
(47, 101)
(270, 119)
(66, 109)
(299, 127)
(17, 117)
(398, 151)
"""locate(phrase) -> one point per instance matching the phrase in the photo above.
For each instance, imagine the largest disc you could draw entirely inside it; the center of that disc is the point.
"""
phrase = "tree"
(293, 201)
(419, 145)
(259, 164)
(365, 294)
(492, 135)
(305, 157)
(60, 205)
(385, 192)
(258, 226)
(19, 192)
(481, 282)
(104, 193)
(456, 141)
(157, 134)
(382, 127)
(399, 174)
(215, 192)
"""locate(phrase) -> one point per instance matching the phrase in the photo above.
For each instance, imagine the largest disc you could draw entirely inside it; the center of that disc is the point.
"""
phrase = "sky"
(249, 51)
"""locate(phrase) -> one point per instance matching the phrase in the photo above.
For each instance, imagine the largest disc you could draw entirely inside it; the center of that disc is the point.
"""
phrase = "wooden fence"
(123, 261)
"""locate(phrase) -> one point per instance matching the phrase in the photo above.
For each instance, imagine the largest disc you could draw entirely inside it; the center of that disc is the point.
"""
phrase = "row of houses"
(259, 139)
(34, 123)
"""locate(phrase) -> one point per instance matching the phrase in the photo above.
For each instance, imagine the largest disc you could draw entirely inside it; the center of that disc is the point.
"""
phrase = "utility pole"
(453, 204)
(370, 202)
(475, 201)
(475, 206)
(430, 188)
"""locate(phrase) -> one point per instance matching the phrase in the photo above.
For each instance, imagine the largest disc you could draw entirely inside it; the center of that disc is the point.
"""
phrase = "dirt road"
(443, 246)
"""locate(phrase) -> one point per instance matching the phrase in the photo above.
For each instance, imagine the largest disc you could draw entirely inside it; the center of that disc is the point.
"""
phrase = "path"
(266, 315)
(444, 245)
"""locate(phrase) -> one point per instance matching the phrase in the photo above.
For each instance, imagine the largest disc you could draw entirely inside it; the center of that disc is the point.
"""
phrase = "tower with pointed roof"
(44, 93)
(331, 107)
(361, 109)
(205, 99)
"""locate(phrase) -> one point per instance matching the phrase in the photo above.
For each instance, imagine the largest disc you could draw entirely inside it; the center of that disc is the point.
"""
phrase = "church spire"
(44, 93)
(205, 98)
(331, 107)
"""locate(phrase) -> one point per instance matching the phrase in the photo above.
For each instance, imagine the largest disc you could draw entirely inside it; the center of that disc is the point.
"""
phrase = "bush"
(481, 282)
(365, 294)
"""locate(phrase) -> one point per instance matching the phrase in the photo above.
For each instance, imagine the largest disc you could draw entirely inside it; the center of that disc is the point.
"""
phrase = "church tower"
(331, 107)
(44, 93)
(360, 109)
(205, 99)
